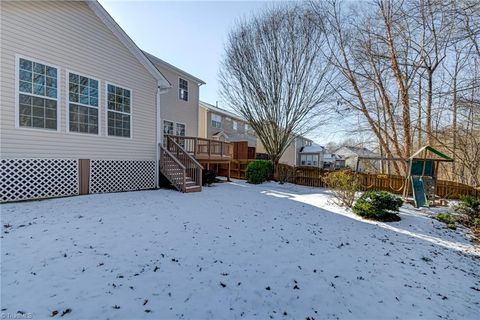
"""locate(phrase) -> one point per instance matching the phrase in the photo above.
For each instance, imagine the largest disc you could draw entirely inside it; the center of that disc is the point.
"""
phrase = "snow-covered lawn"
(232, 251)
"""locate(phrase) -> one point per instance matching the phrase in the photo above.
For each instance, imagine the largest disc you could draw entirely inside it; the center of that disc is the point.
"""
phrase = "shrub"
(476, 223)
(259, 171)
(378, 205)
(209, 177)
(470, 206)
(447, 219)
(344, 184)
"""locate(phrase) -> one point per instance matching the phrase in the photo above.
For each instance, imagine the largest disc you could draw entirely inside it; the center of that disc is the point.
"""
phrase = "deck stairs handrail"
(186, 173)
(173, 169)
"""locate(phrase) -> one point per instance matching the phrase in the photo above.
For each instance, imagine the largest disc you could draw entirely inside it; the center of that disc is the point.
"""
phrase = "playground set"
(421, 174)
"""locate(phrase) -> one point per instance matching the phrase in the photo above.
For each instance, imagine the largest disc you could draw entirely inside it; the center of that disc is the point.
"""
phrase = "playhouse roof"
(430, 153)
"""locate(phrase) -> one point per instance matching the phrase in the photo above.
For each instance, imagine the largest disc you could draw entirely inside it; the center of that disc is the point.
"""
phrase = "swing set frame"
(424, 154)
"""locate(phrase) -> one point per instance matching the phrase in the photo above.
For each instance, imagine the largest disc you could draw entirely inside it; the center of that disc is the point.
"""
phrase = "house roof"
(424, 152)
(111, 24)
(220, 133)
(315, 148)
(215, 109)
(358, 151)
(332, 156)
(171, 67)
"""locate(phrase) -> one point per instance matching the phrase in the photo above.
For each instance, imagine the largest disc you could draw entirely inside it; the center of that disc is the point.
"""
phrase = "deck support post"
(228, 178)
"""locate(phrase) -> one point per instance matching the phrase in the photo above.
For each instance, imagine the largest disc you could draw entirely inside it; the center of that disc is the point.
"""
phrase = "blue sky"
(187, 34)
(191, 36)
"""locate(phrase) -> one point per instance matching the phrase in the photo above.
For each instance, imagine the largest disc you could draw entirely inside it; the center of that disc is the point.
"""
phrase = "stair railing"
(173, 169)
(192, 167)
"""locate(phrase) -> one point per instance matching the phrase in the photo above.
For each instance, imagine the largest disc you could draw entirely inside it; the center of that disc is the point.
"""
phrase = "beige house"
(220, 124)
(82, 107)
(179, 110)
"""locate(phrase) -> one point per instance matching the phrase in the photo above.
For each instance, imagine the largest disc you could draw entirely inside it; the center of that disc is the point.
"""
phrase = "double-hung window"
(216, 121)
(183, 89)
(37, 90)
(167, 127)
(118, 111)
(180, 129)
(234, 125)
(82, 104)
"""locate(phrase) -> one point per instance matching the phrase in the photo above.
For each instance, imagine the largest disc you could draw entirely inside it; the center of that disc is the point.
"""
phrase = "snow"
(232, 251)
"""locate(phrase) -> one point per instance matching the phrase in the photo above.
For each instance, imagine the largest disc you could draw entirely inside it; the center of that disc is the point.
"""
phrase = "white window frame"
(309, 160)
(106, 110)
(211, 120)
(163, 127)
(246, 127)
(235, 125)
(67, 110)
(185, 128)
(188, 91)
(17, 95)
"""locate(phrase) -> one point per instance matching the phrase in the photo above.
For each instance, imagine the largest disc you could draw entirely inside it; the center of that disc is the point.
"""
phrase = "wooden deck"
(206, 150)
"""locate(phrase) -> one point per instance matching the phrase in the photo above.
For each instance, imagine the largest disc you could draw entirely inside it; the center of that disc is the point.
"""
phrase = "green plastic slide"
(419, 192)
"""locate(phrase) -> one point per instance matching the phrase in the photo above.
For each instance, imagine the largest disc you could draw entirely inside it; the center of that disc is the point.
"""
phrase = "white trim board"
(111, 24)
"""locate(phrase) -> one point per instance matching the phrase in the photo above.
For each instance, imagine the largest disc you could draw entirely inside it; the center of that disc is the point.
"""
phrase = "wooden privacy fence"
(314, 177)
(238, 168)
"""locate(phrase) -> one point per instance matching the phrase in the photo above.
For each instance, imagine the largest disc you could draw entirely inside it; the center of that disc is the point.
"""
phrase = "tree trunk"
(428, 120)
(419, 118)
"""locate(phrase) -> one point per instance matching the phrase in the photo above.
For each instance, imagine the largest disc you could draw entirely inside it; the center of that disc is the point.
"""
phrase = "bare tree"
(276, 76)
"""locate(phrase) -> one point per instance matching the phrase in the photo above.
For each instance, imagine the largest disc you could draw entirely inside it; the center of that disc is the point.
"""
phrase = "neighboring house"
(291, 155)
(332, 161)
(220, 124)
(80, 103)
(317, 156)
(179, 110)
(351, 155)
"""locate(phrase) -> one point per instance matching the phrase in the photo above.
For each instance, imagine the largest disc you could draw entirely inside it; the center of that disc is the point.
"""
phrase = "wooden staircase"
(179, 167)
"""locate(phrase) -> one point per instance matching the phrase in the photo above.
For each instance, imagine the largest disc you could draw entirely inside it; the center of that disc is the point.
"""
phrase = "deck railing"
(193, 169)
(203, 149)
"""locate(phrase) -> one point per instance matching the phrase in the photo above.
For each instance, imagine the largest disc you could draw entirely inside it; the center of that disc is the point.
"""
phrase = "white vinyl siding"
(83, 93)
(118, 111)
(37, 84)
(69, 36)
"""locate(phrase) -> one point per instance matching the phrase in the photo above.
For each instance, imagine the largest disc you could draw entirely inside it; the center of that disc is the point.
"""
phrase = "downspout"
(158, 133)
(158, 138)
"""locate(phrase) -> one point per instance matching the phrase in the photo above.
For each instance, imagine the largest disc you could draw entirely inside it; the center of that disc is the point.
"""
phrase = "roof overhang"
(111, 24)
(441, 156)
(215, 109)
(166, 65)
(220, 134)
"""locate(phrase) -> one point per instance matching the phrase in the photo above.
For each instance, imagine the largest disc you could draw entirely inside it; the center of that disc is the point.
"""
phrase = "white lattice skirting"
(121, 175)
(22, 179)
